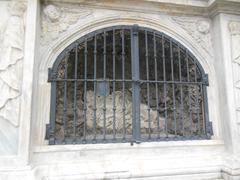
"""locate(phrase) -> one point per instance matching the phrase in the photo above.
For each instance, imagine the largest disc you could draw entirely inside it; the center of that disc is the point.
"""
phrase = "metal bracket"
(205, 79)
(209, 128)
(135, 29)
(51, 75)
(47, 136)
(103, 88)
(135, 142)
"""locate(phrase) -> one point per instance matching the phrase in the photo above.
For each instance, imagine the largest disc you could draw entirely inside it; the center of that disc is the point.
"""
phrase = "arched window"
(127, 84)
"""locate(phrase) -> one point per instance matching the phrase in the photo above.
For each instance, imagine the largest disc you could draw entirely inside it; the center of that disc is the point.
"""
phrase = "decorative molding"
(234, 28)
(11, 58)
(199, 29)
(56, 19)
(190, 7)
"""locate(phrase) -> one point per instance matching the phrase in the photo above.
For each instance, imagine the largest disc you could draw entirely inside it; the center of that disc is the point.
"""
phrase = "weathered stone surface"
(56, 19)
(234, 28)
(12, 34)
(199, 29)
(11, 58)
(159, 160)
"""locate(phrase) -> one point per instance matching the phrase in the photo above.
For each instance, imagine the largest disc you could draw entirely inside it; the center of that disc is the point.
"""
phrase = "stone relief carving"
(199, 29)
(56, 19)
(118, 112)
(109, 113)
(234, 28)
(11, 57)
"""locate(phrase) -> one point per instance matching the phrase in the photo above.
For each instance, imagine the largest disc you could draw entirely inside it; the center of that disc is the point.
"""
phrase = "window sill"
(119, 146)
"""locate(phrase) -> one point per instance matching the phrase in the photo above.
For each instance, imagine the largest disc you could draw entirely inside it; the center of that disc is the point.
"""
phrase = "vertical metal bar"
(181, 88)
(114, 87)
(75, 92)
(173, 89)
(95, 81)
(147, 71)
(135, 84)
(203, 109)
(104, 77)
(189, 95)
(65, 96)
(197, 98)
(156, 84)
(164, 88)
(209, 128)
(207, 125)
(208, 131)
(85, 90)
(123, 84)
(53, 110)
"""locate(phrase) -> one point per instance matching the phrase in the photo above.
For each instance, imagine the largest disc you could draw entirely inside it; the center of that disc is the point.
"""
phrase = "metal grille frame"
(136, 82)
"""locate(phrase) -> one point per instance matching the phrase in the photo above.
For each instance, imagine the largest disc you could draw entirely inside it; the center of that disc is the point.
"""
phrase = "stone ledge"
(190, 7)
(163, 144)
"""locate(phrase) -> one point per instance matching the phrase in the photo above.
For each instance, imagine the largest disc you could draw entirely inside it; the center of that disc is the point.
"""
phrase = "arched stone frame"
(42, 104)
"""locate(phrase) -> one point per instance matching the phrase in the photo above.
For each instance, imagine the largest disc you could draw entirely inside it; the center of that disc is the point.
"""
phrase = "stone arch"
(165, 26)
(50, 54)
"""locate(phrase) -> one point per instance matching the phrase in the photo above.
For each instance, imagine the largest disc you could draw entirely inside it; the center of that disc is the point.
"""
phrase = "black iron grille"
(127, 84)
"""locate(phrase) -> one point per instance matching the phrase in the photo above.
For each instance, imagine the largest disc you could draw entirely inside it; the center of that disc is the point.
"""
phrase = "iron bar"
(53, 112)
(156, 79)
(95, 75)
(75, 92)
(65, 97)
(189, 94)
(197, 101)
(104, 77)
(147, 71)
(164, 85)
(85, 89)
(203, 112)
(114, 86)
(135, 84)
(129, 80)
(173, 89)
(123, 83)
(181, 88)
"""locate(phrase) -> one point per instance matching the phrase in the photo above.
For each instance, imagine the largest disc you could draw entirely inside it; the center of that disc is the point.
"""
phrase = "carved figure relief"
(56, 19)
(199, 29)
(234, 28)
(11, 57)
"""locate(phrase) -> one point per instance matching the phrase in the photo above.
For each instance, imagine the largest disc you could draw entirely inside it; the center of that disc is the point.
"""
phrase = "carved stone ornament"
(199, 29)
(11, 57)
(56, 19)
(234, 28)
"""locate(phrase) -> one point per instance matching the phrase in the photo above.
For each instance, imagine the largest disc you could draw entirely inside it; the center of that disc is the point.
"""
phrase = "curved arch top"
(163, 25)
(129, 27)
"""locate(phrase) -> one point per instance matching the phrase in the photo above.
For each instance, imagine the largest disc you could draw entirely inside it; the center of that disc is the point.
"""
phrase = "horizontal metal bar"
(96, 80)
(130, 80)
(128, 139)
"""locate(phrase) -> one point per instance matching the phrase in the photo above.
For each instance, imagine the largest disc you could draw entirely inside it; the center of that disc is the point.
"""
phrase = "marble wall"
(12, 35)
(33, 33)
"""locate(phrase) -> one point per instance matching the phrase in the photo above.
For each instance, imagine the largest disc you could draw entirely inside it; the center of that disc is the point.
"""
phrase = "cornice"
(174, 7)
(142, 6)
(199, 3)
(224, 6)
